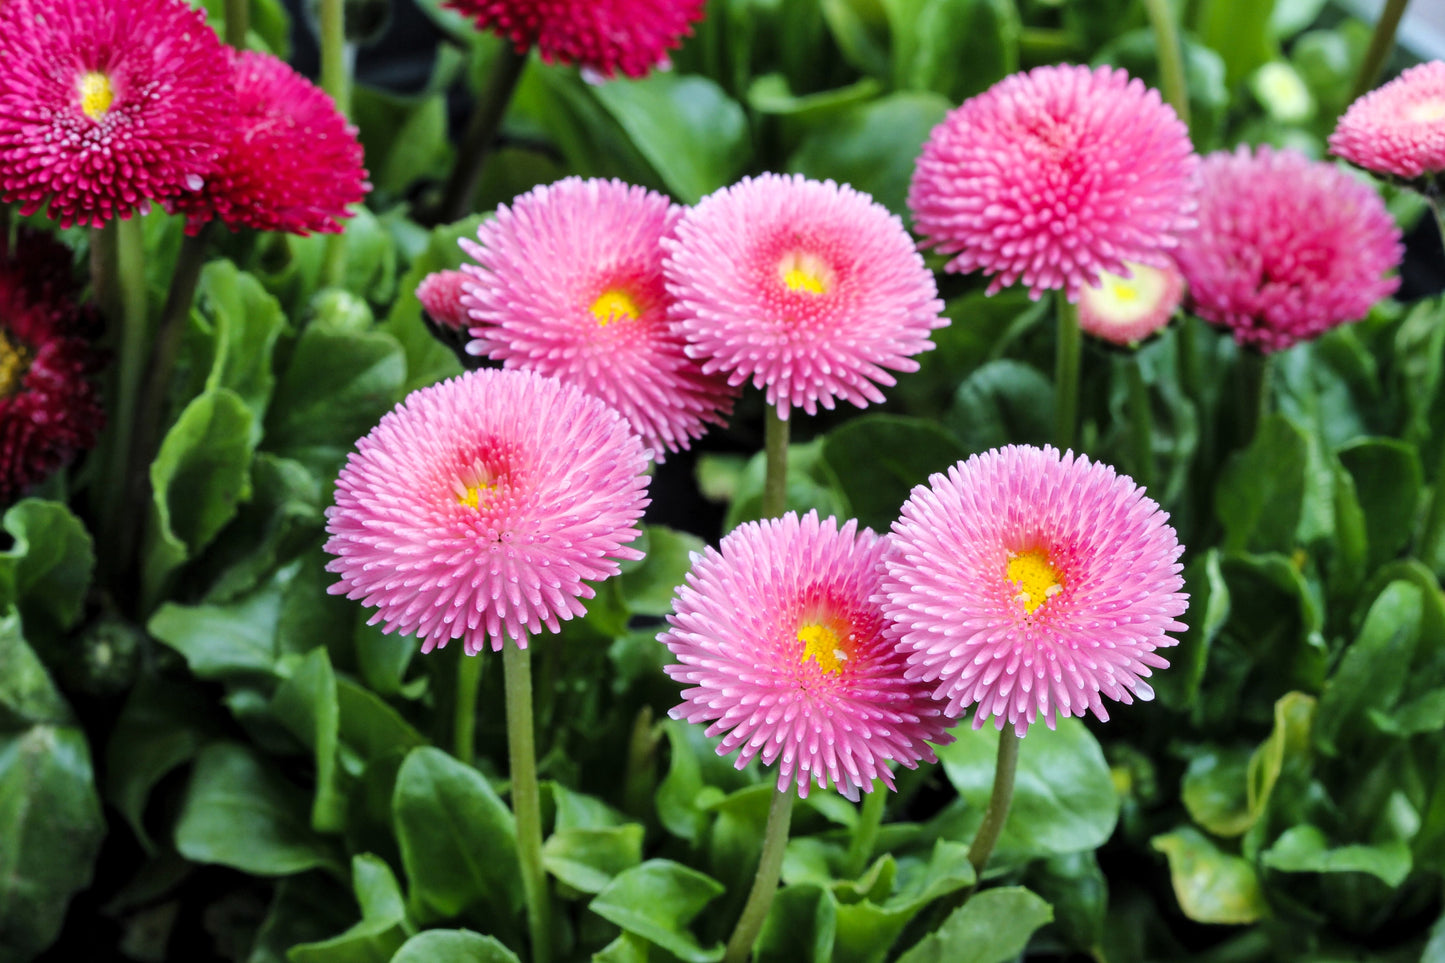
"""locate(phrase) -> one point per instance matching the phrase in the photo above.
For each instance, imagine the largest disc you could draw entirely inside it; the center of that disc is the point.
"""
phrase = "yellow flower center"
(805, 272)
(1121, 290)
(1037, 580)
(14, 362)
(615, 304)
(1426, 111)
(96, 94)
(476, 496)
(822, 645)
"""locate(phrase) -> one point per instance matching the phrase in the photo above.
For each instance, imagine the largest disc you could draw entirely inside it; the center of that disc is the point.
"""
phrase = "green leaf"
(283, 519)
(648, 586)
(1260, 495)
(458, 842)
(405, 137)
(47, 570)
(1209, 608)
(306, 705)
(878, 459)
(1064, 797)
(27, 693)
(1373, 671)
(1304, 849)
(992, 927)
(427, 359)
(240, 813)
(1215, 791)
(1211, 886)
(1240, 31)
(453, 946)
(656, 901)
(235, 640)
(800, 928)
(369, 727)
(233, 338)
(1287, 746)
(383, 928)
(957, 48)
(1388, 481)
(1075, 887)
(587, 859)
(1004, 402)
(50, 832)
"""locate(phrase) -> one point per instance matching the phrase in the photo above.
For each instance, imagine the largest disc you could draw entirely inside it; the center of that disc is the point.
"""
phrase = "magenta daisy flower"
(1125, 310)
(481, 507)
(105, 106)
(810, 289)
(290, 160)
(570, 285)
(1398, 128)
(1286, 247)
(440, 294)
(1053, 176)
(781, 638)
(631, 36)
(49, 404)
(1029, 584)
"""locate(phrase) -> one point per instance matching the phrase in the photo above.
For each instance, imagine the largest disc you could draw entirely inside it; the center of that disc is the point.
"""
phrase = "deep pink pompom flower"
(1053, 176)
(569, 283)
(105, 106)
(1029, 584)
(780, 637)
(1286, 247)
(440, 294)
(480, 507)
(809, 288)
(631, 36)
(1127, 310)
(290, 161)
(1398, 128)
(49, 404)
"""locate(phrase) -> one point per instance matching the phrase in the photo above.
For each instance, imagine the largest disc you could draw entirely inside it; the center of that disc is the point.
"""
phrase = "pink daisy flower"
(631, 36)
(1125, 310)
(810, 289)
(781, 638)
(105, 106)
(440, 294)
(290, 161)
(1054, 176)
(1398, 128)
(480, 508)
(570, 285)
(1286, 247)
(1030, 584)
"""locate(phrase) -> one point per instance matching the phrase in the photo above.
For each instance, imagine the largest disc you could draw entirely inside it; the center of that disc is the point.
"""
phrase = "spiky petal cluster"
(1029, 584)
(290, 161)
(105, 106)
(810, 289)
(1053, 176)
(440, 294)
(1398, 128)
(49, 406)
(781, 639)
(569, 283)
(1125, 310)
(1286, 247)
(480, 507)
(631, 36)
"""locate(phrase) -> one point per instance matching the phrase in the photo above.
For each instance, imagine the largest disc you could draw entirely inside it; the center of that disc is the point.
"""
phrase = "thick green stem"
(1141, 423)
(481, 130)
(464, 709)
(865, 834)
(765, 884)
(1382, 41)
(1068, 352)
(128, 297)
(526, 798)
(1254, 396)
(238, 22)
(1171, 58)
(999, 800)
(331, 19)
(775, 444)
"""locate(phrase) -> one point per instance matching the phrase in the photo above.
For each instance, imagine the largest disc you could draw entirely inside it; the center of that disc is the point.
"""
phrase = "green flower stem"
(775, 443)
(1067, 354)
(765, 884)
(865, 834)
(1433, 533)
(337, 60)
(122, 244)
(639, 784)
(1141, 423)
(999, 800)
(238, 22)
(1171, 59)
(481, 130)
(464, 707)
(1255, 367)
(1382, 41)
(526, 799)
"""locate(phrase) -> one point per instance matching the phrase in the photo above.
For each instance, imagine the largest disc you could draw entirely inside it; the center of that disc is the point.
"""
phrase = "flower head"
(1054, 176)
(1286, 247)
(105, 106)
(49, 405)
(782, 640)
(569, 283)
(631, 36)
(1029, 584)
(1125, 310)
(290, 161)
(1398, 128)
(809, 288)
(440, 294)
(480, 507)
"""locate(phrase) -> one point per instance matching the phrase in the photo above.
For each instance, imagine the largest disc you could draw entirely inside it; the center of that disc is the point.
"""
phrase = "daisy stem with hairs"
(238, 22)
(526, 798)
(765, 884)
(1434, 532)
(999, 800)
(123, 296)
(1171, 60)
(775, 444)
(464, 707)
(481, 130)
(865, 834)
(336, 63)
(1382, 41)
(1067, 353)
(1254, 369)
